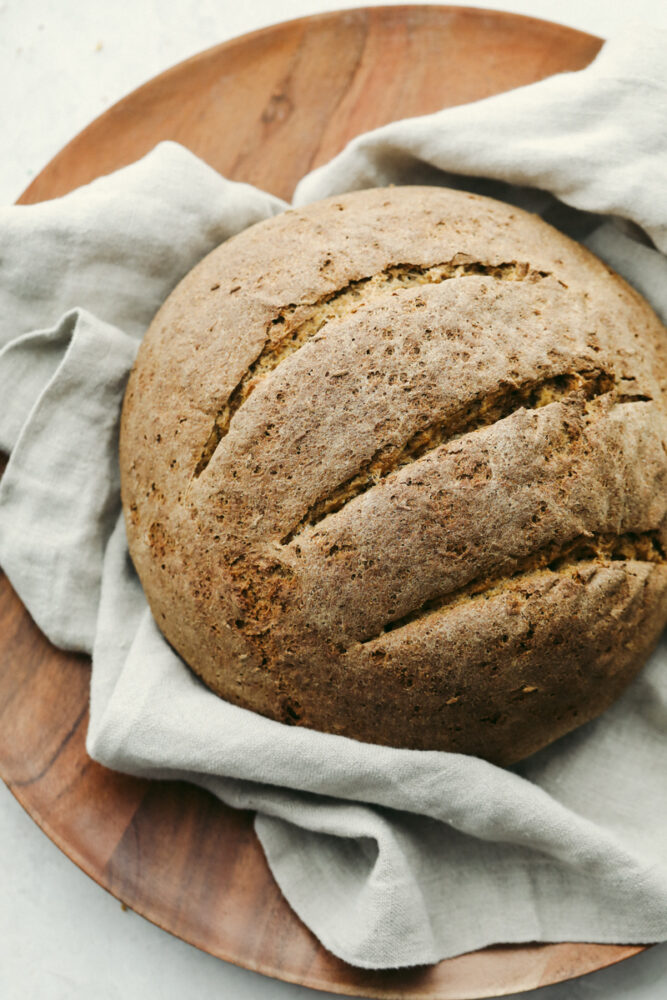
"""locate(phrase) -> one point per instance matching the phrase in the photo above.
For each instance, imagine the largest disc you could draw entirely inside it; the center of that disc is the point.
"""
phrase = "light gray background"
(61, 64)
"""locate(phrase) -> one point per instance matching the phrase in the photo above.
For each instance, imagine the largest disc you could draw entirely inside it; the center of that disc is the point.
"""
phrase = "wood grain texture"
(264, 108)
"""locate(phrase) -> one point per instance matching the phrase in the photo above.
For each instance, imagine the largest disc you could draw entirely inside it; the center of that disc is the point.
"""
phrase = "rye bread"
(394, 466)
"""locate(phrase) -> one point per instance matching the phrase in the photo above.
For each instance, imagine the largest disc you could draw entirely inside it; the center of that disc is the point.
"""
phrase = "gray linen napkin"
(392, 857)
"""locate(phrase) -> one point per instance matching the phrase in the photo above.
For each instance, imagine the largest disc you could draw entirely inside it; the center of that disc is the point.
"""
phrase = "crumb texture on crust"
(395, 466)
(283, 337)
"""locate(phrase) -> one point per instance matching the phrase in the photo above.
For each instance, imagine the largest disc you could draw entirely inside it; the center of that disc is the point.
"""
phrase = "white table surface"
(61, 65)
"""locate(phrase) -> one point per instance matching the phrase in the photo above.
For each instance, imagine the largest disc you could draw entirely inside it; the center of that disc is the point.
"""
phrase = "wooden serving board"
(264, 108)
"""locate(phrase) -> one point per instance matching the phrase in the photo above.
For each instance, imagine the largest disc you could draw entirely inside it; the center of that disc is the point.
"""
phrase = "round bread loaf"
(394, 466)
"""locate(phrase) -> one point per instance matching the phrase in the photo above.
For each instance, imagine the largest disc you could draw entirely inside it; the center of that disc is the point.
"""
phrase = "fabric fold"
(60, 493)
(597, 139)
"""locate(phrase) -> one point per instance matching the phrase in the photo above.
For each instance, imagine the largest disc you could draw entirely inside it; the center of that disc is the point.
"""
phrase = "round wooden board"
(264, 108)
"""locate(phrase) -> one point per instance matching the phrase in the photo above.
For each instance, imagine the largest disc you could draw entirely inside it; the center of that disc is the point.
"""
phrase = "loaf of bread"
(394, 466)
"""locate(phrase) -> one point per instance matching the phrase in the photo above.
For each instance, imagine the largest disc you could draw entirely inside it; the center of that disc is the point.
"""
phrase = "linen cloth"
(392, 857)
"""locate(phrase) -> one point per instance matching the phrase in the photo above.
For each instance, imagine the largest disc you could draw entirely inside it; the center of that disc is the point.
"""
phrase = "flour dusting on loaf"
(394, 466)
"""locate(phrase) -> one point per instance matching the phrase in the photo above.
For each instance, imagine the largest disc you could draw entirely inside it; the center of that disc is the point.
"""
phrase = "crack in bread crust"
(481, 412)
(283, 339)
(561, 558)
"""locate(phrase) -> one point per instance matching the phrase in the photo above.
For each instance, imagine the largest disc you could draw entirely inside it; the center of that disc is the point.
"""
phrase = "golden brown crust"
(394, 466)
